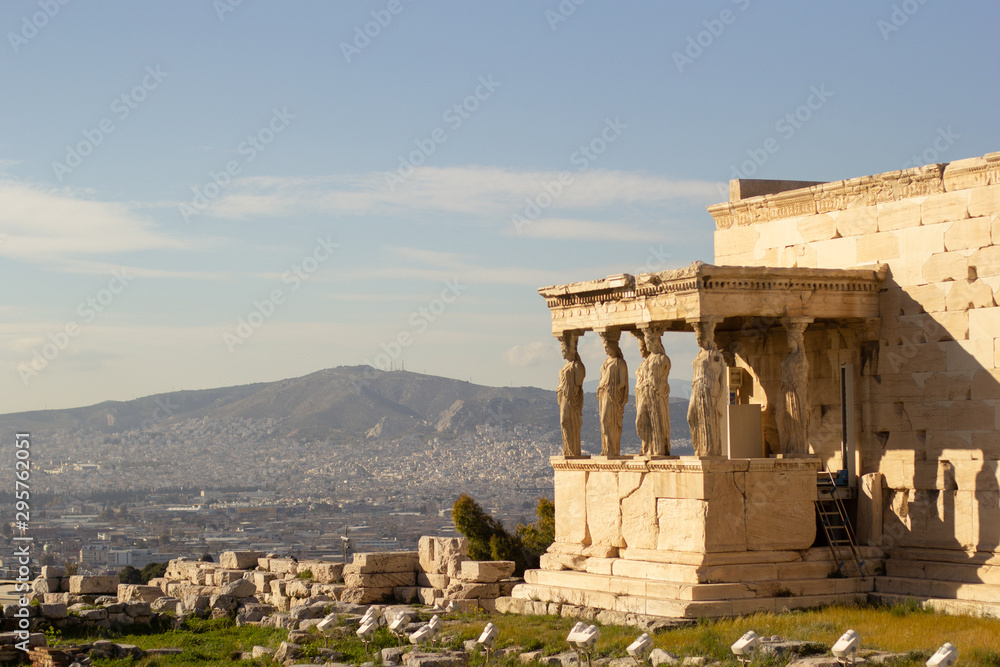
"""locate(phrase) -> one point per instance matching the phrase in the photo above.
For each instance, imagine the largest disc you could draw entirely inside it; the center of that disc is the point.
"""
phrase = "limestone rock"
(241, 588)
(487, 572)
(90, 584)
(434, 553)
(129, 592)
(239, 560)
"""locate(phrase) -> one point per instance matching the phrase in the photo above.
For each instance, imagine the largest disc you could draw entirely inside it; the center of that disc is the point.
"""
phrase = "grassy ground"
(904, 628)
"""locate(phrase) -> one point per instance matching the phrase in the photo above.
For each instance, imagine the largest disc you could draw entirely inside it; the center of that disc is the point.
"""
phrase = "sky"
(203, 193)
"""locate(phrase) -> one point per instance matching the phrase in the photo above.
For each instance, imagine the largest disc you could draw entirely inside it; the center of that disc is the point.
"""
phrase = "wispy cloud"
(41, 224)
(480, 192)
(571, 229)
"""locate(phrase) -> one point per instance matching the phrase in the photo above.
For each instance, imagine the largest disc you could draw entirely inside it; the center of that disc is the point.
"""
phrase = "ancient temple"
(844, 408)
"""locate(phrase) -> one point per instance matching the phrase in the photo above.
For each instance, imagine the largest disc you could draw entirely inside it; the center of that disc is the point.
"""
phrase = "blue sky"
(169, 170)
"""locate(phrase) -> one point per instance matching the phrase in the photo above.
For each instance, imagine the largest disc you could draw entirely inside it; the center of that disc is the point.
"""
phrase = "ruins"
(847, 367)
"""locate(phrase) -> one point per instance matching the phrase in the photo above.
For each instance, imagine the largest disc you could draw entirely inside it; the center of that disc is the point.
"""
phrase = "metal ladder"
(836, 526)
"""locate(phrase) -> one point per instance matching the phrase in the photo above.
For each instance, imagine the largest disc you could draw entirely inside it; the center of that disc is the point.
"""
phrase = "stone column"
(707, 391)
(570, 394)
(612, 394)
(652, 394)
(793, 408)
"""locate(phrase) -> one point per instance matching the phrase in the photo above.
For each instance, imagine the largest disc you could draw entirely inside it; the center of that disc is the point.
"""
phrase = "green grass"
(904, 628)
(204, 642)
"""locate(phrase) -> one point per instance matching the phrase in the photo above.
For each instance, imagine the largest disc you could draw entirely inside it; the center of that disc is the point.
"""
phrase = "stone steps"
(945, 606)
(968, 572)
(673, 608)
(933, 588)
(698, 592)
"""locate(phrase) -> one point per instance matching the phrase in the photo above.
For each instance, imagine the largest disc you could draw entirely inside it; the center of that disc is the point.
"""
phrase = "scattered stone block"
(381, 580)
(487, 572)
(241, 588)
(434, 553)
(383, 562)
(90, 585)
(129, 592)
(239, 560)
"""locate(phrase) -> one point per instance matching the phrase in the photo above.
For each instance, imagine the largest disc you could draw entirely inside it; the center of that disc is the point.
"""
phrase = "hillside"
(341, 404)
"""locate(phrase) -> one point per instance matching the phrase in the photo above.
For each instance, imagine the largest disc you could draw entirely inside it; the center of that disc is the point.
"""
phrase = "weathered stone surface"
(434, 553)
(604, 520)
(487, 572)
(383, 580)
(53, 610)
(239, 560)
(382, 562)
(241, 588)
(169, 604)
(431, 580)
(130, 592)
(571, 518)
(53, 572)
(90, 584)
(366, 595)
(327, 573)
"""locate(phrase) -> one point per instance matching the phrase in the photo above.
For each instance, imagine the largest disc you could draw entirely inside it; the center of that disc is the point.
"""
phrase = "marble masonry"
(848, 331)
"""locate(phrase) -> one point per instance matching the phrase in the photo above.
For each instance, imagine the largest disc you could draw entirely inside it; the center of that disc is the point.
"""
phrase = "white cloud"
(537, 353)
(483, 192)
(44, 224)
(570, 229)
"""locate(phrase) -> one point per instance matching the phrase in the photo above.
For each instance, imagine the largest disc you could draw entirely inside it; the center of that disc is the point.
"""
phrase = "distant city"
(105, 496)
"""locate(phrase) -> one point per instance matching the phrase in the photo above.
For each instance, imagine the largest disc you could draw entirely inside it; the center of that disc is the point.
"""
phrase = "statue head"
(611, 337)
(653, 342)
(705, 333)
(643, 350)
(568, 344)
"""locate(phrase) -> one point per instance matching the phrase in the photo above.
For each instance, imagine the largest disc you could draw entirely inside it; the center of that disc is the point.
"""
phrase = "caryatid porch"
(729, 530)
(730, 309)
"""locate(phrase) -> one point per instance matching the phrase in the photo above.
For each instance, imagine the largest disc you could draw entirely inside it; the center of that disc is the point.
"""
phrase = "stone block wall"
(928, 391)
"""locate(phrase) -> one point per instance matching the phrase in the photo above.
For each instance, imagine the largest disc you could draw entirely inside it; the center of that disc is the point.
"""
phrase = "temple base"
(687, 537)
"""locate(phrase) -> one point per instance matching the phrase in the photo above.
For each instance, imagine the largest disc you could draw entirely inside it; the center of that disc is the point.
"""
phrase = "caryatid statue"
(793, 414)
(652, 395)
(705, 409)
(612, 394)
(570, 395)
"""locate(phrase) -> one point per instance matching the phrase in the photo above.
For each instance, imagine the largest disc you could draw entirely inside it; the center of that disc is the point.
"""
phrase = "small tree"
(538, 536)
(488, 539)
(130, 575)
(153, 571)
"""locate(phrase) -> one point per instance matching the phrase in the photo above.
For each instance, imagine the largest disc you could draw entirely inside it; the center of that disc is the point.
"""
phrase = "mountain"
(346, 403)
